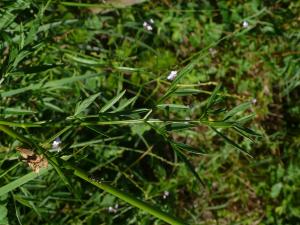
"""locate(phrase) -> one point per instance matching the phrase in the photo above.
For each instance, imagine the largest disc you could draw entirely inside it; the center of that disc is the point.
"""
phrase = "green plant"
(96, 77)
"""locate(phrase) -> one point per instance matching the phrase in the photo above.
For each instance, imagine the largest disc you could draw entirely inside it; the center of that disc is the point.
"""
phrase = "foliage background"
(44, 43)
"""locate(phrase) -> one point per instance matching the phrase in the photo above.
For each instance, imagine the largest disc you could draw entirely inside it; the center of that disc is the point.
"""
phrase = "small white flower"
(151, 21)
(172, 75)
(213, 52)
(56, 143)
(245, 24)
(147, 26)
(166, 194)
(254, 101)
(113, 209)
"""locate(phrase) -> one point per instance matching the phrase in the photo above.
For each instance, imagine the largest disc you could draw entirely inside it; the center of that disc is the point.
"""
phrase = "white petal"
(172, 75)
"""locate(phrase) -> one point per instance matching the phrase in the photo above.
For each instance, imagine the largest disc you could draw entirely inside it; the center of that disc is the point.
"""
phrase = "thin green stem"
(128, 198)
(13, 134)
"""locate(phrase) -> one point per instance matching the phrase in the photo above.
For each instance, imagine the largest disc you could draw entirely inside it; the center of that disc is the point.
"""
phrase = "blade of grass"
(182, 156)
(232, 142)
(213, 97)
(10, 169)
(22, 125)
(13, 134)
(240, 108)
(219, 124)
(188, 148)
(245, 119)
(50, 84)
(172, 106)
(247, 130)
(17, 111)
(22, 180)
(125, 104)
(81, 106)
(113, 101)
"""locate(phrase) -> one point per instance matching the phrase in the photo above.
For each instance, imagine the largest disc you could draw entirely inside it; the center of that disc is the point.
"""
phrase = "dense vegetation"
(191, 106)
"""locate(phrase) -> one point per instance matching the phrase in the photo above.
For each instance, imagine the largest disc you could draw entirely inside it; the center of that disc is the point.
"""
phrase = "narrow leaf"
(113, 101)
(247, 130)
(245, 119)
(189, 148)
(232, 142)
(242, 133)
(17, 111)
(213, 97)
(172, 106)
(219, 124)
(240, 108)
(50, 84)
(81, 106)
(188, 164)
(125, 104)
(179, 126)
(186, 91)
(22, 180)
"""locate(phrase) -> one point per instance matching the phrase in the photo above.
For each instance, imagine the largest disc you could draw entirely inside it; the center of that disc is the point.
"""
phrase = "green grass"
(216, 145)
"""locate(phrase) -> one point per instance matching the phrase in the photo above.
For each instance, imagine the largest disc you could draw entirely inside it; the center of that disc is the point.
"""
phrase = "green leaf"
(172, 106)
(247, 130)
(186, 91)
(23, 125)
(242, 133)
(13, 134)
(53, 107)
(22, 55)
(113, 101)
(186, 70)
(218, 124)
(212, 99)
(139, 129)
(81, 106)
(245, 119)
(87, 61)
(179, 126)
(50, 84)
(232, 142)
(61, 174)
(123, 105)
(6, 19)
(17, 111)
(22, 180)
(23, 201)
(188, 164)
(240, 108)
(276, 189)
(3, 212)
(34, 27)
(188, 148)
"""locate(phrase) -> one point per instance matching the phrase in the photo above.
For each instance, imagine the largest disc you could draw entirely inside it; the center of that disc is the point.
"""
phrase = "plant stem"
(13, 134)
(126, 197)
